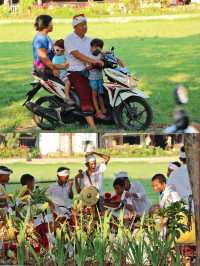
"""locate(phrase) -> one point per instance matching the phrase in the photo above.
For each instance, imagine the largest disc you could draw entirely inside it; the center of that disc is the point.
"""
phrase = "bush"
(4, 11)
(137, 151)
(6, 152)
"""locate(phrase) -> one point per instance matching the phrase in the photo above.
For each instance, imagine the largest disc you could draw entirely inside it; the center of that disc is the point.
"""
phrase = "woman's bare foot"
(100, 115)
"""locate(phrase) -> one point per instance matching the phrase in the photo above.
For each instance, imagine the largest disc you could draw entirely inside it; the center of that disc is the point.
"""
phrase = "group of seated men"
(132, 194)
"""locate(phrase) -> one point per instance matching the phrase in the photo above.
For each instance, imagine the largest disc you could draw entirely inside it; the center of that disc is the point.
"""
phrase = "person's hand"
(134, 195)
(79, 175)
(100, 63)
(55, 72)
(66, 65)
(128, 195)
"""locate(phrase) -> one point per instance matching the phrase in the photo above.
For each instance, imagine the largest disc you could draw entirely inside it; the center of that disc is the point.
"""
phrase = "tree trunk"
(70, 144)
(192, 147)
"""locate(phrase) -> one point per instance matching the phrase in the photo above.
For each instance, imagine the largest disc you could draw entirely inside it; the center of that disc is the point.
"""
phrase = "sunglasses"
(58, 50)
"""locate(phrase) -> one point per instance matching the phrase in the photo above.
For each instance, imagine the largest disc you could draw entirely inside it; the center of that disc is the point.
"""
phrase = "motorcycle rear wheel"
(41, 121)
(134, 114)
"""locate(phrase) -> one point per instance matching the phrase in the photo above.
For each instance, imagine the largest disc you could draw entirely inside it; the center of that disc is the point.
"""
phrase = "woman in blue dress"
(43, 47)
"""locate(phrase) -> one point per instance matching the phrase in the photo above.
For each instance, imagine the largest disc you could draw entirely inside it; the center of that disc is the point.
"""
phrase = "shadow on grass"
(160, 64)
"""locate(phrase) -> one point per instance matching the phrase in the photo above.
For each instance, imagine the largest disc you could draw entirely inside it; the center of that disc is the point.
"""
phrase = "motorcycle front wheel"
(134, 113)
(43, 121)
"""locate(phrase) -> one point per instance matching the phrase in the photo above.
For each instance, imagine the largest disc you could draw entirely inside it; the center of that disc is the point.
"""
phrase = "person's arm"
(85, 59)
(129, 207)
(42, 54)
(121, 64)
(71, 194)
(140, 191)
(77, 177)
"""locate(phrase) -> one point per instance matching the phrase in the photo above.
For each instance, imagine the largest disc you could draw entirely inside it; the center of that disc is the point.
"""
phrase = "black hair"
(5, 168)
(160, 177)
(62, 168)
(183, 160)
(176, 163)
(118, 181)
(26, 178)
(42, 22)
(97, 42)
(60, 43)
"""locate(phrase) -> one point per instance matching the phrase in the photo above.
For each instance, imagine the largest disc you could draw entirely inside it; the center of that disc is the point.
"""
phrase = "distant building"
(66, 142)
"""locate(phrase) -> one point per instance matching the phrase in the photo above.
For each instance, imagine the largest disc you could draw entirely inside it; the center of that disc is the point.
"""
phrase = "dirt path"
(81, 160)
(123, 19)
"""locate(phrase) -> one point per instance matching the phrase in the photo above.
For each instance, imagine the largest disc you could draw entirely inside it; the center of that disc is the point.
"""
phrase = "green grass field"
(141, 171)
(160, 53)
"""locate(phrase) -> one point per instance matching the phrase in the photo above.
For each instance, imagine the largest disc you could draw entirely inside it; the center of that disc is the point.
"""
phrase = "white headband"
(78, 20)
(63, 173)
(121, 174)
(172, 166)
(5, 172)
(182, 155)
(90, 158)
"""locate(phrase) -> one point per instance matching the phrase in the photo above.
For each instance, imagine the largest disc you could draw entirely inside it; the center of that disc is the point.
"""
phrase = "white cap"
(90, 158)
(78, 19)
(64, 172)
(172, 166)
(5, 170)
(121, 174)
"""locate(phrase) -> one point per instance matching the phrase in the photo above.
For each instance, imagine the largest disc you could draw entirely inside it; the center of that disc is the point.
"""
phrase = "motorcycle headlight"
(131, 81)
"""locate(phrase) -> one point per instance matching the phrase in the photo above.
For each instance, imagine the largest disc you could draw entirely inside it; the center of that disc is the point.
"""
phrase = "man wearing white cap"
(5, 173)
(172, 166)
(94, 173)
(61, 193)
(179, 178)
(77, 51)
(136, 193)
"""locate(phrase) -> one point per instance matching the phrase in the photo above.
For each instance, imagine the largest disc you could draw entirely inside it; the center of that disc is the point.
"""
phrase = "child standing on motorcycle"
(60, 61)
(96, 79)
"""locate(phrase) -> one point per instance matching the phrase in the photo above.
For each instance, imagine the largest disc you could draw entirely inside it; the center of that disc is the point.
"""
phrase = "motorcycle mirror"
(112, 49)
(181, 95)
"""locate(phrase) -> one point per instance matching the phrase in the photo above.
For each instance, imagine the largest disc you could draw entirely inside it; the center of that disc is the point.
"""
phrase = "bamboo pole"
(192, 148)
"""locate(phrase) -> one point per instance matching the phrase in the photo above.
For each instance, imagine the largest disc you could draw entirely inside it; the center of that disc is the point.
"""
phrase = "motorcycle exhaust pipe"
(47, 113)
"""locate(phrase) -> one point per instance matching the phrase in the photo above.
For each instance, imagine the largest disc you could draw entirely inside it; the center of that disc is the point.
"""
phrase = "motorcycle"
(126, 104)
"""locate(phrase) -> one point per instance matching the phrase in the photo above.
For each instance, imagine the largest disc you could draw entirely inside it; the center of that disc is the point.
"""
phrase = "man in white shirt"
(136, 193)
(172, 166)
(77, 51)
(179, 179)
(94, 173)
(167, 194)
(61, 193)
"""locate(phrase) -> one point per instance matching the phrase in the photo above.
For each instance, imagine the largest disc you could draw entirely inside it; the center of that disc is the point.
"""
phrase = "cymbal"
(89, 196)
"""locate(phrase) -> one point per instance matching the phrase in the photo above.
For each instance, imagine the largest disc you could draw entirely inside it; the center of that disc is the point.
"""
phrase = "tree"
(192, 147)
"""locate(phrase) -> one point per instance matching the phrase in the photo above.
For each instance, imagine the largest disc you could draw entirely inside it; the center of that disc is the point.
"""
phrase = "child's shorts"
(65, 78)
(97, 85)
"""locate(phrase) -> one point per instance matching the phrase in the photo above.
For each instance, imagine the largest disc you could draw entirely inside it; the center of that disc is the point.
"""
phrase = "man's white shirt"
(179, 180)
(96, 178)
(74, 43)
(168, 196)
(142, 203)
(59, 195)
